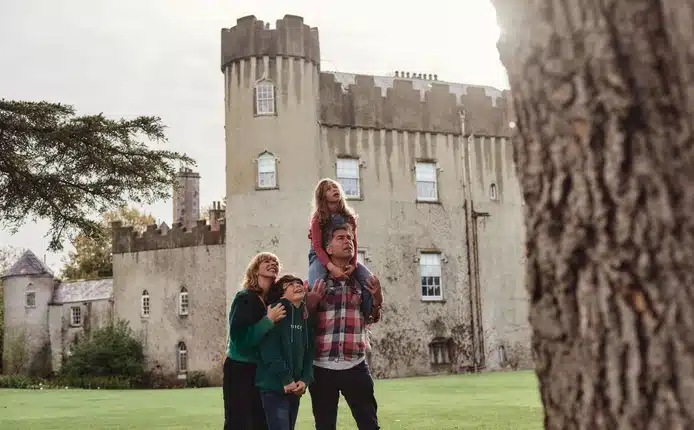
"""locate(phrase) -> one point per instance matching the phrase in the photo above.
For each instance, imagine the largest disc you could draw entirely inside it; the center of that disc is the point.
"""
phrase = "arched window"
(183, 301)
(265, 98)
(267, 170)
(30, 296)
(492, 192)
(182, 358)
(144, 304)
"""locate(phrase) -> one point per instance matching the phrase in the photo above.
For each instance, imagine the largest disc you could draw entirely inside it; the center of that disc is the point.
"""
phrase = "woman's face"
(331, 192)
(268, 269)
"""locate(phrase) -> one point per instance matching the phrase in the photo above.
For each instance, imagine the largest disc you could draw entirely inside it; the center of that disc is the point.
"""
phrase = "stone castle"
(427, 164)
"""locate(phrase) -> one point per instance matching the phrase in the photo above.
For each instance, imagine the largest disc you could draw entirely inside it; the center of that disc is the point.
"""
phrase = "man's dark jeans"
(243, 409)
(280, 409)
(356, 386)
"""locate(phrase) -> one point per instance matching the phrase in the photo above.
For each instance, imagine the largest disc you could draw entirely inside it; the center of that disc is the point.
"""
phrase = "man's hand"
(374, 287)
(289, 388)
(315, 295)
(300, 389)
(276, 313)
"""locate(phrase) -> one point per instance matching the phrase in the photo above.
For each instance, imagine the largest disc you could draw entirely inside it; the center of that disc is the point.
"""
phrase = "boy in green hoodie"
(286, 357)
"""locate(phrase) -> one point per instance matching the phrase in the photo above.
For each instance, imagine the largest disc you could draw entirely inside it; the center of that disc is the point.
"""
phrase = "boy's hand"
(315, 295)
(349, 270)
(276, 313)
(289, 388)
(300, 389)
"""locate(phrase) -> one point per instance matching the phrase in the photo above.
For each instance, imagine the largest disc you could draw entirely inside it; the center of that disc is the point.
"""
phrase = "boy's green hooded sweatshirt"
(248, 325)
(287, 352)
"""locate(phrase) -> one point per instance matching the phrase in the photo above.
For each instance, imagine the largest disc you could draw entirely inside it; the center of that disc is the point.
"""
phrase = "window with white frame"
(425, 173)
(361, 257)
(265, 98)
(182, 358)
(267, 170)
(183, 301)
(144, 304)
(348, 176)
(430, 273)
(76, 316)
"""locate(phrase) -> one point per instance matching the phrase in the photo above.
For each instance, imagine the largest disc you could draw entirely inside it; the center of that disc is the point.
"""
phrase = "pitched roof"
(83, 291)
(28, 265)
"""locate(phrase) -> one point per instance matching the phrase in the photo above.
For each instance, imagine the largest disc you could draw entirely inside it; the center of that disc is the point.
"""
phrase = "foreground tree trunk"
(603, 93)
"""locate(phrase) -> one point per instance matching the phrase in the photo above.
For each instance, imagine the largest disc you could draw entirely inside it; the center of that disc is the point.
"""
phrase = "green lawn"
(481, 401)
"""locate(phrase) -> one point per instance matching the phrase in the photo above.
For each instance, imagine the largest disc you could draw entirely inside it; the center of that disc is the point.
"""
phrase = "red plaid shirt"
(341, 326)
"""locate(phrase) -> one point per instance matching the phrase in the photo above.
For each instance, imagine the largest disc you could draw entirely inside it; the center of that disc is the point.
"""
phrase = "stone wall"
(126, 239)
(200, 269)
(253, 38)
(413, 105)
(500, 238)
(394, 227)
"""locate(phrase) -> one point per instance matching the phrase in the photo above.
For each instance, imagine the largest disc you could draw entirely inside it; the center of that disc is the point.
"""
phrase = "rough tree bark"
(603, 93)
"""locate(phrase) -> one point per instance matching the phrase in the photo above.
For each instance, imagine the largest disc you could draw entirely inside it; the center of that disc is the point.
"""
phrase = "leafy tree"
(66, 168)
(8, 256)
(92, 256)
(112, 350)
(602, 97)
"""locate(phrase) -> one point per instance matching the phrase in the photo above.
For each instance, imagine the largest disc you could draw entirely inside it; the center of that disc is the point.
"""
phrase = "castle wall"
(26, 328)
(500, 239)
(394, 228)
(200, 269)
(412, 104)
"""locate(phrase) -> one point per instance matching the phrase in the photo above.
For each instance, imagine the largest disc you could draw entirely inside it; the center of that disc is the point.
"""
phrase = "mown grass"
(482, 401)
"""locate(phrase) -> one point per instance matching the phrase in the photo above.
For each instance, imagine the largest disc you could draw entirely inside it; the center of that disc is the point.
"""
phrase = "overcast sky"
(161, 57)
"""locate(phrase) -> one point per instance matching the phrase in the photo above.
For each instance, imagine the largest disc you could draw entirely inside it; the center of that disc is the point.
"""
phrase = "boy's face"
(293, 291)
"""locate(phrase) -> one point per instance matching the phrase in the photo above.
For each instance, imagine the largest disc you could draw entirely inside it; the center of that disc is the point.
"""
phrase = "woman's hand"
(276, 313)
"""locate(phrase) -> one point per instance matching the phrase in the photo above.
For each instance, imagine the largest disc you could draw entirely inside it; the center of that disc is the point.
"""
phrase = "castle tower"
(186, 198)
(272, 109)
(28, 293)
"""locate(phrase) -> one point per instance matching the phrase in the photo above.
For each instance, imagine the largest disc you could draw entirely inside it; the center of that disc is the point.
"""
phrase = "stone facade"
(185, 295)
(380, 130)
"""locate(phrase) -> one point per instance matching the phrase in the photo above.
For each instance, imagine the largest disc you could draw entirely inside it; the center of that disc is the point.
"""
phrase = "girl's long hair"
(250, 279)
(320, 209)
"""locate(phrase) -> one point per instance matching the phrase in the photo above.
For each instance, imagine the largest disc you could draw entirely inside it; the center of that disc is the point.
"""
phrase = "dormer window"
(265, 98)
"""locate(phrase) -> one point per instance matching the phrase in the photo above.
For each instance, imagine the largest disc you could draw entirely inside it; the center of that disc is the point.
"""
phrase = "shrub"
(111, 351)
(197, 379)
(16, 381)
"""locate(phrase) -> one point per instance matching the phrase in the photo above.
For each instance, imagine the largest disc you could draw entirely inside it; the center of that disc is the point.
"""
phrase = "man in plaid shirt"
(341, 320)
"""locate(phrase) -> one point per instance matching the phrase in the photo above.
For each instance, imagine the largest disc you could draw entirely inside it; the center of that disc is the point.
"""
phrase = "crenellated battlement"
(416, 104)
(126, 239)
(254, 38)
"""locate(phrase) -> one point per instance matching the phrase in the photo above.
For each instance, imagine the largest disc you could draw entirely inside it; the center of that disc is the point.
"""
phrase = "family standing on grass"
(287, 336)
